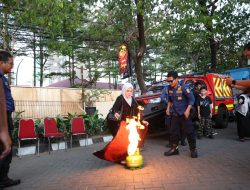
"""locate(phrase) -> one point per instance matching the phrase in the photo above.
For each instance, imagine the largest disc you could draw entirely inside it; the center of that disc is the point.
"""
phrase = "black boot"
(194, 153)
(7, 182)
(173, 151)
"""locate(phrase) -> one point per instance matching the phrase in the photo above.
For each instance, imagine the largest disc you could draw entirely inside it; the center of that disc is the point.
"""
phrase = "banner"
(124, 61)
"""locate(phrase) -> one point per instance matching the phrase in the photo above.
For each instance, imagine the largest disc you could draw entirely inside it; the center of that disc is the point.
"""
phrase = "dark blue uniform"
(164, 95)
(10, 107)
(181, 97)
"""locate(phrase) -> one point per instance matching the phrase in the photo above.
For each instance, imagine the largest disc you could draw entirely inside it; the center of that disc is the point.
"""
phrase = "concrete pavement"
(223, 164)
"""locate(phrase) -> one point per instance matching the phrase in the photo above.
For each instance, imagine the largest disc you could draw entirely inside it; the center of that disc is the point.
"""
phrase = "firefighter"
(5, 141)
(164, 100)
(181, 99)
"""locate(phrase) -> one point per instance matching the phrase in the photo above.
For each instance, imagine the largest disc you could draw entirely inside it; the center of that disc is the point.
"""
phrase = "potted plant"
(90, 97)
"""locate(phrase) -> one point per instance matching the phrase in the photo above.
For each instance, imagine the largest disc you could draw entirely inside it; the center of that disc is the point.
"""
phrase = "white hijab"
(125, 87)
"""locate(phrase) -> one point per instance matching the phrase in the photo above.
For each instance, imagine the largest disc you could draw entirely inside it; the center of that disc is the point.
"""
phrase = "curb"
(29, 150)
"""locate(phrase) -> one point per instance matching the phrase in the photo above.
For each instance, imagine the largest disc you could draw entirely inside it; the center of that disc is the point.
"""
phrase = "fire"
(133, 136)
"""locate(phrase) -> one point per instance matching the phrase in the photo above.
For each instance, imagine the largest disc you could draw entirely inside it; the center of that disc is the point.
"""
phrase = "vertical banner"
(124, 62)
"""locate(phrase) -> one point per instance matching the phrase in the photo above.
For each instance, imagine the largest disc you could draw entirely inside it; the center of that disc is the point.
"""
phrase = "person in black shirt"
(205, 108)
(196, 92)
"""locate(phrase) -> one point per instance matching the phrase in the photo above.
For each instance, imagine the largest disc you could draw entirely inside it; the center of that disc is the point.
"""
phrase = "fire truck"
(219, 92)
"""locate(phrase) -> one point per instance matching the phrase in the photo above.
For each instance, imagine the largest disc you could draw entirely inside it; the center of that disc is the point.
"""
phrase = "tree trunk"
(109, 74)
(73, 68)
(41, 63)
(208, 11)
(213, 50)
(241, 59)
(34, 56)
(142, 45)
(70, 75)
(90, 74)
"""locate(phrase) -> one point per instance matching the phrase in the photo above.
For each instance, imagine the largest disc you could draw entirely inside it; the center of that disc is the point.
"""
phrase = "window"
(190, 83)
(202, 83)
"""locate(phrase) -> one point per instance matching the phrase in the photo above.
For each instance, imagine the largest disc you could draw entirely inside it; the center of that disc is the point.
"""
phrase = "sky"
(25, 71)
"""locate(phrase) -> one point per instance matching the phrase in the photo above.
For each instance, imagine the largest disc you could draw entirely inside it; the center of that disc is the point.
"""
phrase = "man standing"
(195, 119)
(5, 141)
(6, 64)
(181, 99)
(196, 90)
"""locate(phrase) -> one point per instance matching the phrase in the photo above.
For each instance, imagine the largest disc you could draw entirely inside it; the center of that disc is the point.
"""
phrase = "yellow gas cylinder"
(134, 161)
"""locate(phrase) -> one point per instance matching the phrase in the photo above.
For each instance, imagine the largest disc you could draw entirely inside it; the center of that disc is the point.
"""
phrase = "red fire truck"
(218, 91)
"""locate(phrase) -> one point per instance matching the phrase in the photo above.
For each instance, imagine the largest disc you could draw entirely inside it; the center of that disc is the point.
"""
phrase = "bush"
(94, 124)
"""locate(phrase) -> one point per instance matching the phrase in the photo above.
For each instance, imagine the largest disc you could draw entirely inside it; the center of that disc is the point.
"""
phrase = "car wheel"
(222, 118)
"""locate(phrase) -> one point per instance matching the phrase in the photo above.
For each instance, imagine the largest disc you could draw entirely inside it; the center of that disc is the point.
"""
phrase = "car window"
(190, 83)
(202, 83)
(155, 89)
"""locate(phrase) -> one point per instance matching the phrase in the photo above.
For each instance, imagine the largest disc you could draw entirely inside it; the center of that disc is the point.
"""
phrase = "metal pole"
(18, 70)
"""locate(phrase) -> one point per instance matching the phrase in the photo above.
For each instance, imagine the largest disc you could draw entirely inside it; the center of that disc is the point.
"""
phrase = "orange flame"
(134, 136)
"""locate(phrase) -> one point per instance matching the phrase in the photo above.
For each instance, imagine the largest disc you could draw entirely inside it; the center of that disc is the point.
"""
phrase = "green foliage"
(94, 124)
(93, 95)
(16, 119)
(39, 127)
(178, 33)
(61, 124)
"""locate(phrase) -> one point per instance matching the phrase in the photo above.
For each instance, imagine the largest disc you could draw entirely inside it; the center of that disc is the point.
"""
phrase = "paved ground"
(223, 163)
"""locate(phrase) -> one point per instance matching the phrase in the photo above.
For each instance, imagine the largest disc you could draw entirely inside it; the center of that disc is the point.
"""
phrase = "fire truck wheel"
(221, 120)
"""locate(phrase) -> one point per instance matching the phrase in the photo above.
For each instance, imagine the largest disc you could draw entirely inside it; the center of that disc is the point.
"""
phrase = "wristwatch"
(234, 82)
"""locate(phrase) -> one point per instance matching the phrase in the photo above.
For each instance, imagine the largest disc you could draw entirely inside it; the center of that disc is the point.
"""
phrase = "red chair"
(27, 131)
(78, 128)
(51, 131)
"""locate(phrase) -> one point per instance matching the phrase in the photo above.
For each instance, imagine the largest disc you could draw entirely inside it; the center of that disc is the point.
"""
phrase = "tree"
(210, 25)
